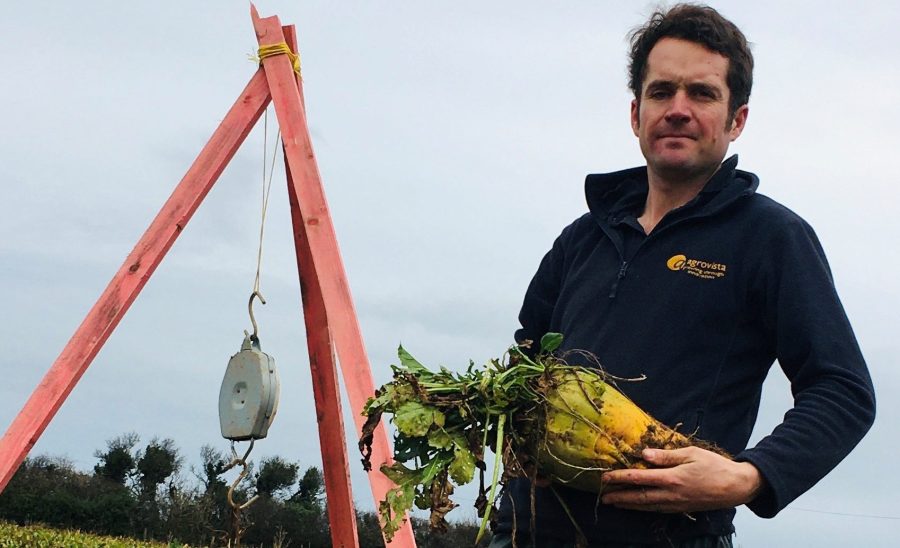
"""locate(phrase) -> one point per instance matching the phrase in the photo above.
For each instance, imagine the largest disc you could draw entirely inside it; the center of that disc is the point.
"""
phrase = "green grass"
(39, 536)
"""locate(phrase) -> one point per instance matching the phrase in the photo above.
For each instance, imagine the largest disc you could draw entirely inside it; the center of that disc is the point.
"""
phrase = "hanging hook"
(242, 462)
(238, 480)
(255, 336)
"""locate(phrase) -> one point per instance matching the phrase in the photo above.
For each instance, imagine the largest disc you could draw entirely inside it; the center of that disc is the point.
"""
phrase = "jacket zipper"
(624, 267)
(619, 277)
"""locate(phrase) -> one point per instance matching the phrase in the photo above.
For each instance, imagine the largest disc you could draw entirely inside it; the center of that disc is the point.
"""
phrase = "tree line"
(144, 492)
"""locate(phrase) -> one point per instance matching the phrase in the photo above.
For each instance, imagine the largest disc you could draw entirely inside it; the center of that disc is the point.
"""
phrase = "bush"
(49, 490)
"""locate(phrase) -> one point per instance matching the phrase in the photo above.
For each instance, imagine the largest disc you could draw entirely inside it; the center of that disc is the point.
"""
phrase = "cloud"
(453, 141)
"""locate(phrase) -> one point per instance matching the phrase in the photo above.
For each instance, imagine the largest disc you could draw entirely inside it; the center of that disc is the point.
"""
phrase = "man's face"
(682, 122)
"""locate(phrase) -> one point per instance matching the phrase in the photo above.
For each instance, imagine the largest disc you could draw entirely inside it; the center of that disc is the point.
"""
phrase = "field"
(37, 536)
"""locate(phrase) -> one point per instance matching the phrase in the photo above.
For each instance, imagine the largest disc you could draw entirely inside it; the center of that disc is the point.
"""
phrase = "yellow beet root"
(588, 427)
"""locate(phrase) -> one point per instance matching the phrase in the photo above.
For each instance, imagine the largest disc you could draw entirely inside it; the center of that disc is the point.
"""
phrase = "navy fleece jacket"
(720, 289)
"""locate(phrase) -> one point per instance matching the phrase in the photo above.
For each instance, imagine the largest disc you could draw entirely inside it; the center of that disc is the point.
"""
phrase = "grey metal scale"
(248, 398)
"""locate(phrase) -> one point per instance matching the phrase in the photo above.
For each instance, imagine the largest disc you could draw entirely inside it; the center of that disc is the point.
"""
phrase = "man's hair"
(702, 25)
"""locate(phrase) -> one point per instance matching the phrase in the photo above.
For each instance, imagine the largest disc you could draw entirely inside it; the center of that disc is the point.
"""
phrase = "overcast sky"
(453, 139)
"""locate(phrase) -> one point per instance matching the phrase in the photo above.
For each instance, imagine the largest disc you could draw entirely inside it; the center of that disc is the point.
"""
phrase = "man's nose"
(679, 111)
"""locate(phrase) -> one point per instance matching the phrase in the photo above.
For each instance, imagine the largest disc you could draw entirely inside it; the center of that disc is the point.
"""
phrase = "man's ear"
(635, 116)
(738, 121)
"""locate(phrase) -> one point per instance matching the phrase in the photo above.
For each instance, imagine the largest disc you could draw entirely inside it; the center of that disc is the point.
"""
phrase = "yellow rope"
(279, 49)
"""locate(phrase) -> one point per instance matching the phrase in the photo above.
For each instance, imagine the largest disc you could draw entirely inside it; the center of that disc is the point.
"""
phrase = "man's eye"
(658, 94)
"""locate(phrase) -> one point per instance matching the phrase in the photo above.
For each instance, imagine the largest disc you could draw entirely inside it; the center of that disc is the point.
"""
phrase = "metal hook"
(262, 299)
(243, 464)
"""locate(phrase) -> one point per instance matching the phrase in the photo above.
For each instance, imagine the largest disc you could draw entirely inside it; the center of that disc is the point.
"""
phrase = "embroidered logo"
(695, 267)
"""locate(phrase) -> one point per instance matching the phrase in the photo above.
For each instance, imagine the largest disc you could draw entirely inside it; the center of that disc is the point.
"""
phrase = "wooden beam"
(325, 254)
(326, 391)
(323, 368)
(127, 283)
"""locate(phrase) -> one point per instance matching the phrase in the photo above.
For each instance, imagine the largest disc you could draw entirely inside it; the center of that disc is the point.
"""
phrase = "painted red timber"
(127, 283)
(326, 390)
(323, 367)
(326, 258)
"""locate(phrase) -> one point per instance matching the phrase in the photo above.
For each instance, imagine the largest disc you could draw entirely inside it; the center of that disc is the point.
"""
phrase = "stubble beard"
(677, 171)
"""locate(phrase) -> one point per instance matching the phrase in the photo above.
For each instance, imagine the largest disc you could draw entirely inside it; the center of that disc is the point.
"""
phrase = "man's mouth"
(676, 136)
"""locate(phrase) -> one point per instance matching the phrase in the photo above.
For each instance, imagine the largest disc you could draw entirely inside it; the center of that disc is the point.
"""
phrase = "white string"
(266, 191)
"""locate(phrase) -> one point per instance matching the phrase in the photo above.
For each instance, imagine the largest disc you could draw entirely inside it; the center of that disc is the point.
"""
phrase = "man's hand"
(687, 480)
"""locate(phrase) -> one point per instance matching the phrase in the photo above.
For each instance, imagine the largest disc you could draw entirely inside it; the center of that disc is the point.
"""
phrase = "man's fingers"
(662, 458)
(667, 457)
(647, 478)
(638, 498)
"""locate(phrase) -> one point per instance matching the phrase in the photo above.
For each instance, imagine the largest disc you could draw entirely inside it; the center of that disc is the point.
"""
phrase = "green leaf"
(383, 396)
(485, 382)
(401, 475)
(406, 448)
(409, 362)
(401, 393)
(463, 412)
(462, 468)
(415, 419)
(440, 439)
(397, 502)
(435, 467)
(423, 500)
(550, 342)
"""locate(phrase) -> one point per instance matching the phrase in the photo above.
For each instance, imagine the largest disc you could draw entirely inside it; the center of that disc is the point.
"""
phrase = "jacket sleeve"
(536, 314)
(834, 401)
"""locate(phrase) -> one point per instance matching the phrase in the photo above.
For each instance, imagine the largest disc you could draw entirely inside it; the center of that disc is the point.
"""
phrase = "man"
(683, 273)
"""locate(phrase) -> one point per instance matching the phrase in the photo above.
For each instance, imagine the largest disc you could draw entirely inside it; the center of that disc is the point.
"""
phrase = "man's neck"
(664, 195)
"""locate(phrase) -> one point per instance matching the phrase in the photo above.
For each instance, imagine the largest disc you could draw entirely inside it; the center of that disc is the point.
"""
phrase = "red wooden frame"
(329, 314)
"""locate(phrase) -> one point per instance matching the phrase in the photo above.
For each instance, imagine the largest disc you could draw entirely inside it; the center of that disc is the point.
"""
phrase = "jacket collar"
(611, 196)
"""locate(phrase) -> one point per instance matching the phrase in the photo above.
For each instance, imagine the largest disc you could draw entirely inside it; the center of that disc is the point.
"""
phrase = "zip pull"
(619, 277)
